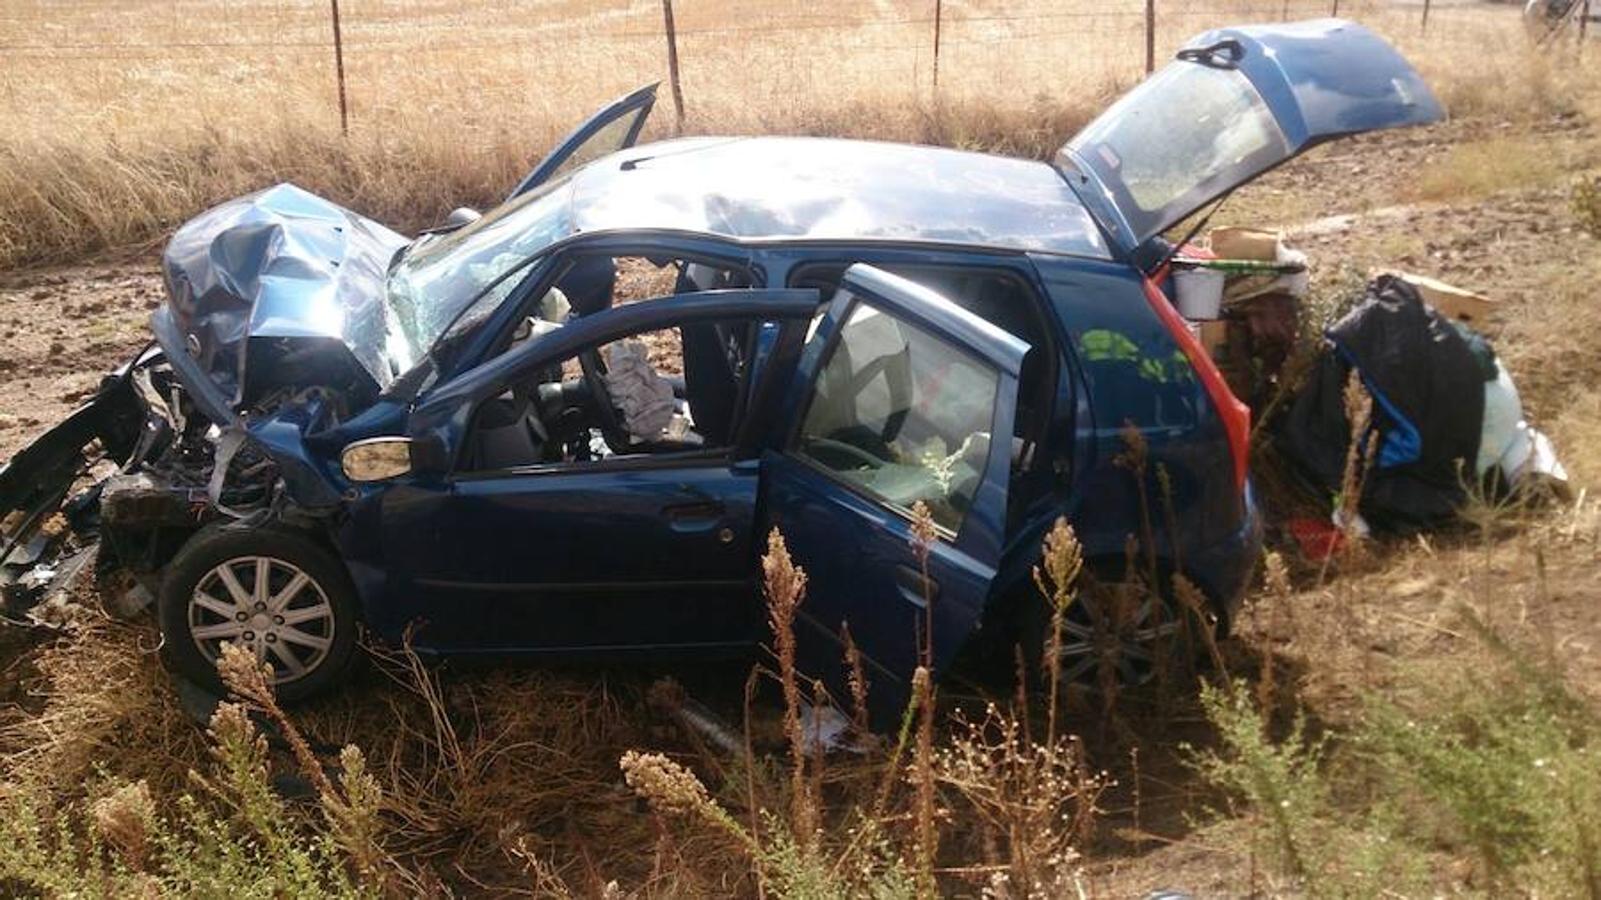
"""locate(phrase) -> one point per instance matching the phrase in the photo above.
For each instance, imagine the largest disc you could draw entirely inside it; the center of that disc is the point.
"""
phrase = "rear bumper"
(1224, 569)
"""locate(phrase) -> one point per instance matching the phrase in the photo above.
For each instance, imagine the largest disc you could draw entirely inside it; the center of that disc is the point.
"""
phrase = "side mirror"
(376, 459)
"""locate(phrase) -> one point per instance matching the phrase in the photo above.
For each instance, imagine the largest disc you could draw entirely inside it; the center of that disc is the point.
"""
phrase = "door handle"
(914, 587)
(697, 515)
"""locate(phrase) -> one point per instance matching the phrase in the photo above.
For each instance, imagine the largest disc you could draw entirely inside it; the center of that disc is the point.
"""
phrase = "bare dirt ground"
(60, 330)
(1360, 205)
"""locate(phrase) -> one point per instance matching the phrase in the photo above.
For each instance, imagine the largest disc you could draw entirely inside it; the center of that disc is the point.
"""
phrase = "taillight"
(1236, 416)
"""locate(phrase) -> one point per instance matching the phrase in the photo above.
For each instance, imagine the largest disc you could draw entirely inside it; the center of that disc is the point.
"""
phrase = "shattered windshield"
(441, 277)
(1188, 134)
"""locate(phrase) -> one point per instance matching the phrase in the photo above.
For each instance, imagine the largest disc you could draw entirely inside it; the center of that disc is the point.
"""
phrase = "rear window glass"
(1185, 135)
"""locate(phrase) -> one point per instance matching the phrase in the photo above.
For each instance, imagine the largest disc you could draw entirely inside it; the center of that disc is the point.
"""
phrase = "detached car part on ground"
(340, 428)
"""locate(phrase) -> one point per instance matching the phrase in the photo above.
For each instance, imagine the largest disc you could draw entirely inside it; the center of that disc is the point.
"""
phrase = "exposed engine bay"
(137, 470)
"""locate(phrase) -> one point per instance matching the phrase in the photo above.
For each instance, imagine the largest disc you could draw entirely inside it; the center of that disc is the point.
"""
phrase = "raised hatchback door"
(615, 127)
(1237, 102)
(901, 398)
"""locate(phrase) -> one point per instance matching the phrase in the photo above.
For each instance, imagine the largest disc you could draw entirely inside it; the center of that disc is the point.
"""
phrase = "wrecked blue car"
(565, 427)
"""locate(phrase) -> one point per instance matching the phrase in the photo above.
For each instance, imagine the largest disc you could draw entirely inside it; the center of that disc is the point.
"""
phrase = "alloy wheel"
(1133, 633)
(267, 605)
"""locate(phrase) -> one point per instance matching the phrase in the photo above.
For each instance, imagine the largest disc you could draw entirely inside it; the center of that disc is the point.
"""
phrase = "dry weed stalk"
(785, 587)
(1277, 579)
(922, 778)
(1135, 458)
(856, 675)
(1055, 577)
(250, 679)
(239, 753)
(671, 788)
(1197, 609)
(1359, 456)
(352, 808)
(126, 819)
(924, 533)
(544, 879)
(751, 806)
(1037, 801)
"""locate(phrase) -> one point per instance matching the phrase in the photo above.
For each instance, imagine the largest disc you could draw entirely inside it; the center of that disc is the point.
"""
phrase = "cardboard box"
(1245, 243)
(1452, 302)
(1213, 335)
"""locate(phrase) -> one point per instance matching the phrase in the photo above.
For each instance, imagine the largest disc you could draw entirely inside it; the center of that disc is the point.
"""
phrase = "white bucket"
(1199, 292)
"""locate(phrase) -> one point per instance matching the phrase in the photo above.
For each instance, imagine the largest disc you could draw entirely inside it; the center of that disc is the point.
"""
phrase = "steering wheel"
(611, 427)
(844, 449)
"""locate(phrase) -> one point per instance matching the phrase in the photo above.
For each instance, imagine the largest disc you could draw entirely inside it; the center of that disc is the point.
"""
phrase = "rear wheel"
(1131, 629)
(275, 592)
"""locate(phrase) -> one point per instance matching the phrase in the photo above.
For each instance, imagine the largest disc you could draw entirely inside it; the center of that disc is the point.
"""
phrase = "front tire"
(274, 591)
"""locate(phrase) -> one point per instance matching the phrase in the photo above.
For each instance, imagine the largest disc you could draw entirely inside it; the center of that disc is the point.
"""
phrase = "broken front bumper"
(39, 481)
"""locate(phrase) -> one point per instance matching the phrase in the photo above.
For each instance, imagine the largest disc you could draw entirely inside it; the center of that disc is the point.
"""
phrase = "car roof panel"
(798, 189)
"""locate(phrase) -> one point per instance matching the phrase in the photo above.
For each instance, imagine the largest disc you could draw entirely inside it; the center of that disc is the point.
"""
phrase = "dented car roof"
(797, 188)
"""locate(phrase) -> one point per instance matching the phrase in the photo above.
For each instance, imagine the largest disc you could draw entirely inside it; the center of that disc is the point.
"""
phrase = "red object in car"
(1236, 416)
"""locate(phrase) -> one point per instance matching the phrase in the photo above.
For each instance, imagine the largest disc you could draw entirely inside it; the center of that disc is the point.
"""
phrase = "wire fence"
(914, 49)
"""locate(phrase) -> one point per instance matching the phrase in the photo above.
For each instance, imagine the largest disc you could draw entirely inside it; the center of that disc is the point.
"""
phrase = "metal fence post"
(1425, 29)
(339, 69)
(672, 64)
(1584, 23)
(1336, 10)
(939, 9)
(1150, 36)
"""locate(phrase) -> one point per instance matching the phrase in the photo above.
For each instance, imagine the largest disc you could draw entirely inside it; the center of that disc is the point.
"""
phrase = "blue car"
(565, 427)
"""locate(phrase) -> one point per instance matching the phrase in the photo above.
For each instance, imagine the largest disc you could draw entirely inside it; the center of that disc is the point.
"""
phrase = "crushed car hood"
(279, 264)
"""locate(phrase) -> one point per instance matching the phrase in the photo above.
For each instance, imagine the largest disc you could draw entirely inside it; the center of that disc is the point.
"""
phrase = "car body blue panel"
(1137, 380)
(607, 558)
(625, 555)
(862, 567)
(1329, 78)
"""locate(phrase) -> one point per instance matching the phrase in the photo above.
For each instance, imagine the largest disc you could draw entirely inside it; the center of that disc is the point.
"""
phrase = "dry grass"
(124, 118)
(1472, 171)
(100, 694)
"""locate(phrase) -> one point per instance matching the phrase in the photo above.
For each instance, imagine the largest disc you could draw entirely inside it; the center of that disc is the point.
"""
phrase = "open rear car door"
(1236, 103)
(615, 127)
(895, 403)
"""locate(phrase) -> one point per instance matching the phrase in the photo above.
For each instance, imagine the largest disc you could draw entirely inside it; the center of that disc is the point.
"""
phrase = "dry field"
(123, 118)
(1421, 720)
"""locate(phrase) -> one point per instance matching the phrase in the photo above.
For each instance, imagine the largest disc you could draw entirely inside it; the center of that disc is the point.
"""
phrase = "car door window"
(615, 127)
(611, 137)
(625, 397)
(902, 415)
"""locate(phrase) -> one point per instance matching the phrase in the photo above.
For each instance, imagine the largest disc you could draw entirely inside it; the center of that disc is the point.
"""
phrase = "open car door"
(901, 397)
(1236, 103)
(615, 127)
